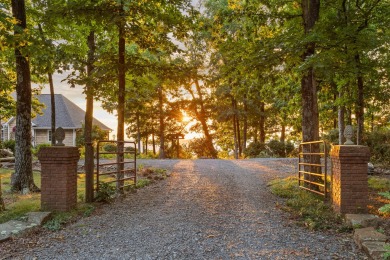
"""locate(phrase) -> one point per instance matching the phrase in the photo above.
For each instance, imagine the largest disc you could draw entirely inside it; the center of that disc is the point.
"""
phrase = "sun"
(185, 117)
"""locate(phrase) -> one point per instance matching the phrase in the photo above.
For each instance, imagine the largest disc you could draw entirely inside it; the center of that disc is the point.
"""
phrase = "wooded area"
(245, 72)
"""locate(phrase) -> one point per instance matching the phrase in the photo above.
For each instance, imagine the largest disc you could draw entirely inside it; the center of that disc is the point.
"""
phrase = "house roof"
(68, 114)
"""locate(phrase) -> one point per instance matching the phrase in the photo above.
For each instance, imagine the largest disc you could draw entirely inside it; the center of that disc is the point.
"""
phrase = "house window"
(49, 135)
(4, 133)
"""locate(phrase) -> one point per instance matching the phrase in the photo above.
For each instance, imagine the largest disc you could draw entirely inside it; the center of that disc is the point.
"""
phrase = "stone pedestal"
(58, 177)
(349, 178)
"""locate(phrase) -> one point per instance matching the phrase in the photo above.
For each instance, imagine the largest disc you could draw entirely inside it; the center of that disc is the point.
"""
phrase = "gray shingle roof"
(68, 114)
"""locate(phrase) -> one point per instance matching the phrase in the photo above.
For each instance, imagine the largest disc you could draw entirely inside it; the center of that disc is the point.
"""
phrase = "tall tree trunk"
(53, 108)
(22, 179)
(283, 133)
(255, 135)
(52, 96)
(262, 122)
(341, 120)
(146, 145)
(121, 98)
(349, 116)
(335, 109)
(360, 102)
(51, 87)
(162, 126)
(202, 118)
(310, 121)
(89, 91)
(153, 142)
(234, 130)
(310, 117)
(138, 132)
(245, 127)
(238, 130)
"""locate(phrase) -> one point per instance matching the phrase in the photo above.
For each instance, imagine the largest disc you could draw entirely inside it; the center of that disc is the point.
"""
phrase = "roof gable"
(68, 114)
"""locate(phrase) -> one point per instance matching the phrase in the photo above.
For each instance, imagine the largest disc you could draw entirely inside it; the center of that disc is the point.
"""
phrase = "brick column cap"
(55, 153)
(350, 151)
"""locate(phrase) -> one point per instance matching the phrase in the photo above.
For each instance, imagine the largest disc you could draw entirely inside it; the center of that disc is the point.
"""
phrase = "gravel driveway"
(207, 209)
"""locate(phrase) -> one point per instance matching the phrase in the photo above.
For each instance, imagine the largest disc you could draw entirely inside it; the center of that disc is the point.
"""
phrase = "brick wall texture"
(58, 177)
(349, 178)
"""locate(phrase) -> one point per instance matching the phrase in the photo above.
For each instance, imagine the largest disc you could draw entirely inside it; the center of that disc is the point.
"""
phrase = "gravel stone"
(207, 209)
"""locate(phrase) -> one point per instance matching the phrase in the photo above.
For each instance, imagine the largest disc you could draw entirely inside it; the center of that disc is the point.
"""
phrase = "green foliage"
(199, 147)
(331, 137)
(309, 209)
(105, 193)
(60, 219)
(254, 149)
(129, 149)
(97, 135)
(386, 255)
(379, 184)
(149, 155)
(386, 208)
(142, 183)
(379, 143)
(36, 149)
(109, 147)
(9, 144)
(273, 148)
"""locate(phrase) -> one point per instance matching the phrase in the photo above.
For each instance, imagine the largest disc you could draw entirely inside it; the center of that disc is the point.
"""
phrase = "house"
(68, 116)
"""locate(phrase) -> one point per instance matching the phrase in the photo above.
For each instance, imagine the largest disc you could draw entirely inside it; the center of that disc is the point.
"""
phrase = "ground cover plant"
(306, 208)
(312, 211)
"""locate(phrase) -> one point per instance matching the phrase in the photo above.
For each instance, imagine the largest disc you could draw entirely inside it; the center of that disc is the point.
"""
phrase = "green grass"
(307, 208)
(17, 205)
(378, 183)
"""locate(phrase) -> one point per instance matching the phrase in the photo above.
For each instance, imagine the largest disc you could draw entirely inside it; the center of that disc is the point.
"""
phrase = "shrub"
(129, 149)
(379, 143)
(273, 148)
(105, 193)
(149, 155)
(109, 147)
(254, 149)
(332, 136)
(200, 148)
(277, 148)
(36, 149)
(9, 144)
(308, 209)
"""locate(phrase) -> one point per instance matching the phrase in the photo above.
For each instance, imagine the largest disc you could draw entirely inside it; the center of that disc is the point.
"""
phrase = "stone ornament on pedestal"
(348, 134)
(59, 136)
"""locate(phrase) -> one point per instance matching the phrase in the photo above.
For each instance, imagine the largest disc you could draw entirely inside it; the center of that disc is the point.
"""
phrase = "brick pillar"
(58, 177)
(349, 178)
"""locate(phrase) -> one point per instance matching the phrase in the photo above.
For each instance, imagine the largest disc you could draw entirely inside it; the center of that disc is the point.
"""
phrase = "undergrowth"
(308, 209)
(60, 219)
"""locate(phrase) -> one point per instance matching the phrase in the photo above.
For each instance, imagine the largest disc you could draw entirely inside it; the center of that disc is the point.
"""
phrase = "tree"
(310, 121)
(22, 179)
(97, 134)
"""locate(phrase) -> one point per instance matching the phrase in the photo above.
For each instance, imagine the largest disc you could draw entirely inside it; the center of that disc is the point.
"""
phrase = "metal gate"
(312, 167)
(123, 171)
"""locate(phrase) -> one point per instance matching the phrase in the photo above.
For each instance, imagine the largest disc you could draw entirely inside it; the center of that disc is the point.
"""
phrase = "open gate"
(312, 167)
(123, 171)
